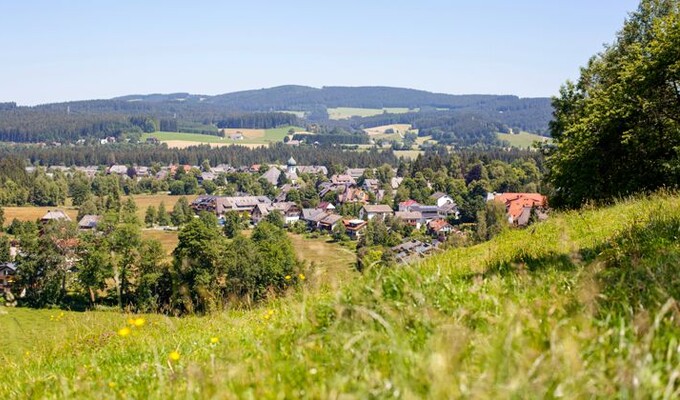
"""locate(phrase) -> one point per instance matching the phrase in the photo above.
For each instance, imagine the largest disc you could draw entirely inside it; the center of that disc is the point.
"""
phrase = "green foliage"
(616, 129)
(4, 249)
(162, 217)
(275, 217)
(150, 216)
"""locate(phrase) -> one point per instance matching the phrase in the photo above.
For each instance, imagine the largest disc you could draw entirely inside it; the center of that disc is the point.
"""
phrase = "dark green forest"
(462, 120)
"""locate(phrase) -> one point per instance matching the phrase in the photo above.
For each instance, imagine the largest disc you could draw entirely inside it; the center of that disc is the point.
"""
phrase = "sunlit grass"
(527, 315)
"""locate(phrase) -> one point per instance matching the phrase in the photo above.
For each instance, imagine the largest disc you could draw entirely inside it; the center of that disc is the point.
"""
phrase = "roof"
(324, 205)
(438, 225)
(272, 175)
(55, 215)
(291, 161)
(438, 195)
(515, 203)
(408, 215)
(377, 208)
(330, 219)
(409, 203)
(7, 265)
(89, 221)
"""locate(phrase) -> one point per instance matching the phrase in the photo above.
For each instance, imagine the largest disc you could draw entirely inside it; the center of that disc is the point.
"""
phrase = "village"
(349, 202)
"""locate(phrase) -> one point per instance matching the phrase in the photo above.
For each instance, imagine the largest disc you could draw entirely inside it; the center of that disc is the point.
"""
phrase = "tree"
(94, 265)
(150, 216)
(2, 218)
(124, 243)
(5, 249)
(162, 217)
(89, 207)
(233, 224)
(617, 129)
(152, 279)
(275, 217)
(491, 221)
(128, 212)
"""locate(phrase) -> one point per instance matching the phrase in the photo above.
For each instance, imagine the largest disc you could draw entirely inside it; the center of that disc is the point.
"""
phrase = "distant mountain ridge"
(445, 115)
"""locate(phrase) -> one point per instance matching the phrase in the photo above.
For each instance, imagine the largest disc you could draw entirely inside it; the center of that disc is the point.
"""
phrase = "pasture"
(349, 112)
(522, 140)
(251, 137)
(399, 130)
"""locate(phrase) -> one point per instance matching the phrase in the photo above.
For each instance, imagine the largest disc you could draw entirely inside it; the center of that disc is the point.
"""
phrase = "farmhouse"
(312, 169)
(368, 212)
(343, 180)
(89, 222)
(439, 227)
(220, 205)
(54, 215)
(330, 221)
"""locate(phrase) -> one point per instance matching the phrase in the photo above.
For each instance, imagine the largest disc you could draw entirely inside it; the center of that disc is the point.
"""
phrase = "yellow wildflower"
(214, 340)
(131, 321)
(302, 277)
(124, 331)
(174, 356)
(139, 322)
(112, 385)
(288, 277)
(270, 312)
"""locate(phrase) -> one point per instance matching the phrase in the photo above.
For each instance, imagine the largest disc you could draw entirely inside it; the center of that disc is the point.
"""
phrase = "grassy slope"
(567, 308)
(349, 112)
(522, 140)
(270, 135)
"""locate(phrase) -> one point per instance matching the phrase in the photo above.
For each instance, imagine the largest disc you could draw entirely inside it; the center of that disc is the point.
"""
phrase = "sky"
(57, 50)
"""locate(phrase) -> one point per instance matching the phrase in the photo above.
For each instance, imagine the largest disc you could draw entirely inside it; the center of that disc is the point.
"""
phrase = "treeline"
(234, 155)
(263, 120)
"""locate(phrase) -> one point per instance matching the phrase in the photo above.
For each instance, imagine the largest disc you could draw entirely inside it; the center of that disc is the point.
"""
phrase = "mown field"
(251, 137)
(522, 140)
(349, 112)
(581, 306)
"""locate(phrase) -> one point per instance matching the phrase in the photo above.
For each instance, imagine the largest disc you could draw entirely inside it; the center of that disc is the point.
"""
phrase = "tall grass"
(581, 306)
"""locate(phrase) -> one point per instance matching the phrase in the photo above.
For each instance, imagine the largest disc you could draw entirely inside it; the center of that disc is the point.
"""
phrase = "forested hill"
(70, 121)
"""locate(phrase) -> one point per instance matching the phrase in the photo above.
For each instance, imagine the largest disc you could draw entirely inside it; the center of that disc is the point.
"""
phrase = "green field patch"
(349, 112)
(523, 139)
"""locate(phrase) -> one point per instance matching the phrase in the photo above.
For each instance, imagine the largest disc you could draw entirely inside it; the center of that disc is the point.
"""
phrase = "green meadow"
(523, 139)
(580, 306)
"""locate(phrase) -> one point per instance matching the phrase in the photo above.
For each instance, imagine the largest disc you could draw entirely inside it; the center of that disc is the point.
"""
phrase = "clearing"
(251, 137)
(349, 112)
(523, 139)
(399, 130)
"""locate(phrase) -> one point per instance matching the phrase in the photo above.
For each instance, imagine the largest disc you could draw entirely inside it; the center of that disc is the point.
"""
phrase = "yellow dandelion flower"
(266, 316)
(112, 385)
(302, 277)
(139, 322)
(270, 312)
(174, 356)
(131, 321)
(288, 277)
(214, 340)
(124, 331)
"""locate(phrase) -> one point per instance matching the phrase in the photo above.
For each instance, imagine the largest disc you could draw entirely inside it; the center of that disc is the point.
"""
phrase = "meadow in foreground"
(579, 306)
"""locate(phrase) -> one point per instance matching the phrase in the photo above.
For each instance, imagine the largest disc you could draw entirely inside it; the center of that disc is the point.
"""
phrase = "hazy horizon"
(80, 51)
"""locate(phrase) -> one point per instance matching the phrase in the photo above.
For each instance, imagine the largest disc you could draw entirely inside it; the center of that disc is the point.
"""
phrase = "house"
(343, 180)
(329, 222)
(326, 206)
(439, 227)
(518, 206)
(142, 172)
(371, 185)
(407, 205)
(354, 227)
(222, 204)
(272, 175)
(429, 212)
(413, 250)
(236, 136)
(353, 195)
(7, 272)
(54, 215)
(441, 199)
(254, 168)
(449, 210)
(355, 173)
(89, 222)
(206, 176)
(117, 169)
(312, 169)
(369, 211)
(413, 218)
(313, 217)
(289, 210)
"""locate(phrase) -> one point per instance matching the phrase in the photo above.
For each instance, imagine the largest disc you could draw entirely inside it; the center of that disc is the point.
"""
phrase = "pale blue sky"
(55, 50)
